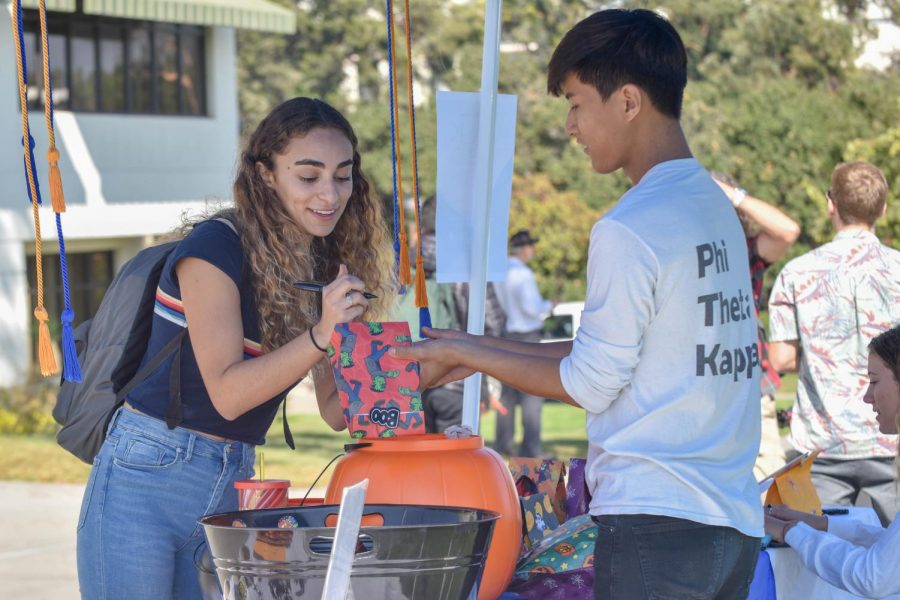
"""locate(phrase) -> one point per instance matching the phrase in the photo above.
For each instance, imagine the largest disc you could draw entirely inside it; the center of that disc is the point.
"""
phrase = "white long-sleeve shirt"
(665, 361)
(521, 300)
(859, 558)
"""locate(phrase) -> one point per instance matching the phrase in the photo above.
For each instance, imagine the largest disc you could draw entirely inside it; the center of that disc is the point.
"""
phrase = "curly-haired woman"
(850, 555)
(303, 211)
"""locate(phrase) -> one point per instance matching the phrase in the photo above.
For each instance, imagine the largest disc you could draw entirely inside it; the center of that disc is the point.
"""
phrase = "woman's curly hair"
(279, 252)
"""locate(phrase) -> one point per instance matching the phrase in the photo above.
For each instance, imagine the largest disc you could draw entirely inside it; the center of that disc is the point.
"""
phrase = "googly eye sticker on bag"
(379, 393)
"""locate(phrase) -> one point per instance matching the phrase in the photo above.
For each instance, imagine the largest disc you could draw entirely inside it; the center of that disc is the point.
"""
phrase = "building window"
(108, 65)
(90, 273)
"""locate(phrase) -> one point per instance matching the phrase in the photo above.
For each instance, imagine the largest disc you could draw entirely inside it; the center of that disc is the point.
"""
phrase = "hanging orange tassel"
(421, 292)
(46, 359)
(405, 276)
(57, 198)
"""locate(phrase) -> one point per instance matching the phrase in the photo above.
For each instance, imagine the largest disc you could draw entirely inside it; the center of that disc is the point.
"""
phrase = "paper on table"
(457, 136)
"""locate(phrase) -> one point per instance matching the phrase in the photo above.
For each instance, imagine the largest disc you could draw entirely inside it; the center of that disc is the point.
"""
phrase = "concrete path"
(37, 540)
(37, 529)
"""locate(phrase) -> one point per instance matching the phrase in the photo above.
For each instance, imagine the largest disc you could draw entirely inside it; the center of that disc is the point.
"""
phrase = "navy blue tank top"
(216, 243)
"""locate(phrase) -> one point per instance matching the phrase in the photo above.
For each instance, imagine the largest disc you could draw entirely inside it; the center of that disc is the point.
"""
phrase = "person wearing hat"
(525, 310)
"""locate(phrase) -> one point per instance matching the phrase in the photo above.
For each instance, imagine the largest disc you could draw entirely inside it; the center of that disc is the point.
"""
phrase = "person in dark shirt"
(303, 211)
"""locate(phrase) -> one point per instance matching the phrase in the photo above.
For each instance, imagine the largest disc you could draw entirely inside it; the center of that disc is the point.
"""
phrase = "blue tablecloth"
(763, 585)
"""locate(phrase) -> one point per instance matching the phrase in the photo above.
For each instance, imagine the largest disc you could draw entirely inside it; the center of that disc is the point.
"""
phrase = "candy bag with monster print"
(378, 392)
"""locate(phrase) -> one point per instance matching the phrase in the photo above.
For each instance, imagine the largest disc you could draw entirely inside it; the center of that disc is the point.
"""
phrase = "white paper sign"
(457, 141)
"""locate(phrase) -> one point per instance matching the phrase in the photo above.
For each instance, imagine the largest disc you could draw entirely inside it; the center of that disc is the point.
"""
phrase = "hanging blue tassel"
(71, 368)
(424, 320)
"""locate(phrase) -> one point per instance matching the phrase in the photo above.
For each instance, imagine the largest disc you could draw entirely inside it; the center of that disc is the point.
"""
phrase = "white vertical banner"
(459, 205)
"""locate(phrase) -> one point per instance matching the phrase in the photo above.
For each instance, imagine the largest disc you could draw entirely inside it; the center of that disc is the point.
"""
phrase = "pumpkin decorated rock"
(433, 470)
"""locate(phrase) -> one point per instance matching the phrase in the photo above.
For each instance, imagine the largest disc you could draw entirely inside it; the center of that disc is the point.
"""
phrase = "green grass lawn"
(38, 458)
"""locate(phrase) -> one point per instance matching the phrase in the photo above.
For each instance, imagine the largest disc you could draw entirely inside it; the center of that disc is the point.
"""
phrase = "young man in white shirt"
(665, 362)
(525, 310)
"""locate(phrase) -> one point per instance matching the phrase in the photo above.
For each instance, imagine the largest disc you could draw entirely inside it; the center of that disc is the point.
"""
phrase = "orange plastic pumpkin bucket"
(437, 471)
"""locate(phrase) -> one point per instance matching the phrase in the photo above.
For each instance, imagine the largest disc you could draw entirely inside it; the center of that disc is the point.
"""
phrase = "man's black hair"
(614, 47)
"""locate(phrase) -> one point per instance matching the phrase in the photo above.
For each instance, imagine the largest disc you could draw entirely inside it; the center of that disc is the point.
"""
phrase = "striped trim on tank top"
(171, 309)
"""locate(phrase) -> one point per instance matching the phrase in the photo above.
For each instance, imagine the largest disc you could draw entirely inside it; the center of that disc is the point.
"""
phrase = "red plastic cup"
(254, 494)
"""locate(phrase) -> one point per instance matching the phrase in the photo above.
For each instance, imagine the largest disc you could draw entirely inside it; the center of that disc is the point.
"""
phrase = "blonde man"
(825, 308)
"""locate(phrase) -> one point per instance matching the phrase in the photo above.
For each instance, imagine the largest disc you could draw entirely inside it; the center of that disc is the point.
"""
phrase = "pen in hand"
(315, 286)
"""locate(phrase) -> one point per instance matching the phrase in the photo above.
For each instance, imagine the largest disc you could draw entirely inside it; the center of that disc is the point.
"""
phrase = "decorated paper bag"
(545, 476)
(578, 497)
(567, 548)
(378, 392)
(539, 519)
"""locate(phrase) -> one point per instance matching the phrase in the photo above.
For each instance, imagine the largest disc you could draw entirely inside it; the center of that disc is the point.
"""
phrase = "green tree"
(563, 221)
(883, 151)
(773, 98)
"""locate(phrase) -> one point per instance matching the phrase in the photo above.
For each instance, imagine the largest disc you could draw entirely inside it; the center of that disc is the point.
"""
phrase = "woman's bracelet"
(313, 340)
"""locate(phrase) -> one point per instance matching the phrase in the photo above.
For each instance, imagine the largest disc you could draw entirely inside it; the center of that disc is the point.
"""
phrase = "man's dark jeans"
(657, 558)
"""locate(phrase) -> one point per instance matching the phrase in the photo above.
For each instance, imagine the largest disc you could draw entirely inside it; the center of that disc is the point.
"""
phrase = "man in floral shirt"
(824, 309)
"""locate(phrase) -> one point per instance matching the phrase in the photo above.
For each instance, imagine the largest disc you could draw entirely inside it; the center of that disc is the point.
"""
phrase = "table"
(781, 574)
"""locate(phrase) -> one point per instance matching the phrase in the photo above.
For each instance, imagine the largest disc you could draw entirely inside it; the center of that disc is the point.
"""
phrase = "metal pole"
(484, 180)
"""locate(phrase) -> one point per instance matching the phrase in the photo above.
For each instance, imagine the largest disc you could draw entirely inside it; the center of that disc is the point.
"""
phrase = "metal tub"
(419, 552)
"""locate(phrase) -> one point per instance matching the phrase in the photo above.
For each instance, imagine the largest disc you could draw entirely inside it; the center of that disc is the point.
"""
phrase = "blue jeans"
(138, 535)
(664, 558)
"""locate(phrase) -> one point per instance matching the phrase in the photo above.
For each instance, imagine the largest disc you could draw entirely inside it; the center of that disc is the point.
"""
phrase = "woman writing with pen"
(861, 559)
(303, 212)
(315, 286)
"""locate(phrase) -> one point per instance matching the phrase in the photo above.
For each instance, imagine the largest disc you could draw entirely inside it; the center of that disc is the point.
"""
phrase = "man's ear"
(832, 209)
(632, 99)
(265, 174)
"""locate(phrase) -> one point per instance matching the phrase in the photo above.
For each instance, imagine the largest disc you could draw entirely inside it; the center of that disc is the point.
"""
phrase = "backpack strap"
(288, 437)
(174, 412)
(173, 345)
(230, 224)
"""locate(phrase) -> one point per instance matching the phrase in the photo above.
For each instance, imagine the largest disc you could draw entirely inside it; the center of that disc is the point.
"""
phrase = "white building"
(147, 124)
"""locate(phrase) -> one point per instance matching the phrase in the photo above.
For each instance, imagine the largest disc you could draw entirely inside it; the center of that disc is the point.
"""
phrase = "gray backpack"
(111, 347)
